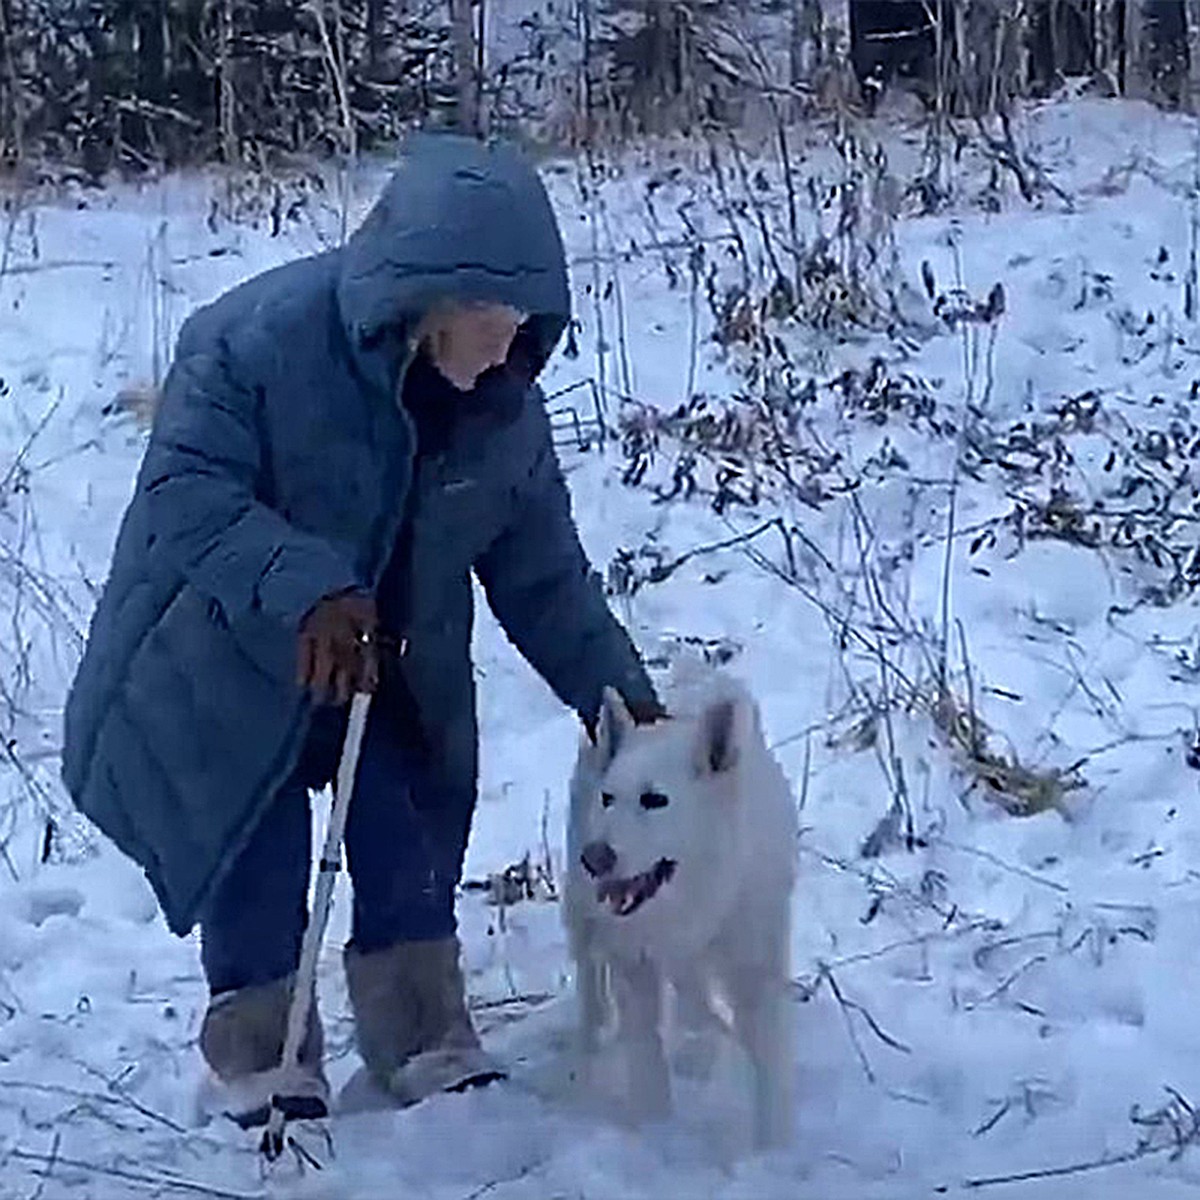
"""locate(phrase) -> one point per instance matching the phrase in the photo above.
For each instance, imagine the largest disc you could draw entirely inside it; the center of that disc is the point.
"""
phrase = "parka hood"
(460, 219)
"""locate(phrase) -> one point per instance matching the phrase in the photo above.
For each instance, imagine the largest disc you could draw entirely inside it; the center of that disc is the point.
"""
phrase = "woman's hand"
(338, 655)
(644, 712)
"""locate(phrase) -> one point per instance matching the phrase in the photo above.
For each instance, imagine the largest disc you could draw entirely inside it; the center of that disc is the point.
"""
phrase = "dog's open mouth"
(625, 896)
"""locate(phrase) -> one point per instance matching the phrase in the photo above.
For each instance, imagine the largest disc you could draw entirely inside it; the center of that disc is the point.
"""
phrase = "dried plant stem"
(837, 620)
(972, 711)
(1179, 1117)
(728, 211)
(1191, 287)
(156, 1179)
(547, 858)
(806, 776)
(760, 215)
(849, 1008)
(118, 1098)
(588, 188)
(523, 1174)
(619, 302)
(1007, 982)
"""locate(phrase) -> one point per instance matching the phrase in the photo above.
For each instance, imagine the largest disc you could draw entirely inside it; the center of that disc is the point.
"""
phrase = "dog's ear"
(724, 726)
(613, 723)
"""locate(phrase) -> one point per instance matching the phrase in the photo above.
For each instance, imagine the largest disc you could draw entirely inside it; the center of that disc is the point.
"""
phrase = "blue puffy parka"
(278, 471)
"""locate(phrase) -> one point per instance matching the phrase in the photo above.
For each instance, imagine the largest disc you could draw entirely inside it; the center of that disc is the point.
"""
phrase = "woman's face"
(465, 340)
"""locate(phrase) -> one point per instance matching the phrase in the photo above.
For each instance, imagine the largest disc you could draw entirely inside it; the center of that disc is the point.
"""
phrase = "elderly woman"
(340, 443)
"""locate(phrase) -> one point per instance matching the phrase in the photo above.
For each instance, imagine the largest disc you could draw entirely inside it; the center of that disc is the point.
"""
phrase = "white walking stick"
(330, 864)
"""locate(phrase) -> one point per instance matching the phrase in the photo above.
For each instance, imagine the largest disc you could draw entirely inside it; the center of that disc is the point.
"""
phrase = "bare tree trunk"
(965, 81)
(1136, 78)
(1106, 44)
(1056, 55)
(376, 33)
(1192, 16)
(835, 23)
(466, 55)
(1017, 52)
(685, 76)
(834, 69)
(12, 124)
(152, 52)
(585, 99)
(481, 41)
(804, 40)
(334, 49)
(227, 108)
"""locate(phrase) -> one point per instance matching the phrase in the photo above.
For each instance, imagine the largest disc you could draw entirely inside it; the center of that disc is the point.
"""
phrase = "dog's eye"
(606, 799)
(654, 800)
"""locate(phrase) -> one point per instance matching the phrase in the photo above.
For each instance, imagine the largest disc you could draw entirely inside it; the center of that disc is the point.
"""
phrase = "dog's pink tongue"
(642, 888)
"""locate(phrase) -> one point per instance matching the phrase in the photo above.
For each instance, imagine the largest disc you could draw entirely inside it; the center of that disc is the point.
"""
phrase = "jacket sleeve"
(551, 604)
(201, 482)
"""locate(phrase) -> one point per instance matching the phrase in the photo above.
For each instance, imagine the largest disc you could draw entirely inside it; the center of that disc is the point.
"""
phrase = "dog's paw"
(695, 1057)
(649, 1085)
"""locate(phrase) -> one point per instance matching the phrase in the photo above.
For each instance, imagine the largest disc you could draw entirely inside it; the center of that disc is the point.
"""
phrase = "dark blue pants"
(405, 841)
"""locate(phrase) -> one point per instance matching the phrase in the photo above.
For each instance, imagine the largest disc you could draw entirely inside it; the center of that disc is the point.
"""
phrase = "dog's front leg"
(590, 994)
(638, 991)
(762, 1022)
(699, 1025)
(755, 971)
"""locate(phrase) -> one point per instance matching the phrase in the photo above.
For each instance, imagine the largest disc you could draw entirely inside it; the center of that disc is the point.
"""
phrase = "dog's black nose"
(598, 859)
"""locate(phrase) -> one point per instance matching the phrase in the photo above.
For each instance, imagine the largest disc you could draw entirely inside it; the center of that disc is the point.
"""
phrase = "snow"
(1031, 977)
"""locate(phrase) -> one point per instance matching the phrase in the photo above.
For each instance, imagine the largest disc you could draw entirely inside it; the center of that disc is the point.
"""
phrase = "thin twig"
(1099, 1164)
(44, 1175)
(862, 1056)
(876, 1029)
(118, 1098)
(806, 776)
(154, 1178)
(996, 861)
(991, 1122)
(666, 570)
(66, 264)
(524, 1173)
(1007, 982)
(531, 999)
(34, 434)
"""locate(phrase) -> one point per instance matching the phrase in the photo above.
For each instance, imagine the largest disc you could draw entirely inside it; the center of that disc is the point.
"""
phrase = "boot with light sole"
(414, 1032)
(242, 1042)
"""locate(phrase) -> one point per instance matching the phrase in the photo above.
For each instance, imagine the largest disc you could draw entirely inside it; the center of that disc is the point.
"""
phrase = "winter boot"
(414, 1032)
(242, 1042)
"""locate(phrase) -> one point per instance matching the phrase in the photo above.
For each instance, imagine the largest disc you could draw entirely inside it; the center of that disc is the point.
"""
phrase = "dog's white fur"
(719, 930)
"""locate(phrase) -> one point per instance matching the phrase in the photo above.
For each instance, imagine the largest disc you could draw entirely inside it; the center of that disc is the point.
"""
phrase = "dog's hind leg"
(638, 988)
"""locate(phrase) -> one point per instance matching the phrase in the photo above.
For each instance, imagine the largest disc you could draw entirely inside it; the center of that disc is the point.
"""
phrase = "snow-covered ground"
(979, 994)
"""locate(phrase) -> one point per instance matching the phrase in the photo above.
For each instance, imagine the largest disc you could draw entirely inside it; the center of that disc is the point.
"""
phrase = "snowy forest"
(142, 84)
(876, 393)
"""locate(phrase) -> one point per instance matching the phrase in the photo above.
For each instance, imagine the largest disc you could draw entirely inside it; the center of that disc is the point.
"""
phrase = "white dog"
(681, 861)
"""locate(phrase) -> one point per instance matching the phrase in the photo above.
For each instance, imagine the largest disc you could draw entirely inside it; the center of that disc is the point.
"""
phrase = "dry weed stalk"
(1020, 790)
(1171, 1129)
